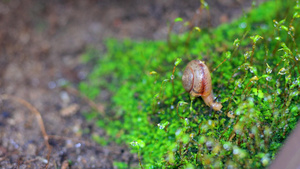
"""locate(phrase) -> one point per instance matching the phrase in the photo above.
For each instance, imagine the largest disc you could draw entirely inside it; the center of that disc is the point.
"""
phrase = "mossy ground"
(257, 80)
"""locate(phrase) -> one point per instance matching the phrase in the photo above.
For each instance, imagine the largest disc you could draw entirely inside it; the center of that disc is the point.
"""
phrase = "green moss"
(120, 165)
(257, 82)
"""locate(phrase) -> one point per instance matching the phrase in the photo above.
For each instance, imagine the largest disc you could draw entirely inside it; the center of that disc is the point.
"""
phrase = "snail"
(197, 81)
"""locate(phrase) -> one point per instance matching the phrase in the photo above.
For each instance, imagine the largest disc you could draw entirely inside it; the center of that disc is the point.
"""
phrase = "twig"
(38, 117)
(34, 111)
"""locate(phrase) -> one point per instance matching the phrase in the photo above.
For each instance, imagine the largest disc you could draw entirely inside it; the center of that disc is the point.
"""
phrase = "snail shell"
(197, 81)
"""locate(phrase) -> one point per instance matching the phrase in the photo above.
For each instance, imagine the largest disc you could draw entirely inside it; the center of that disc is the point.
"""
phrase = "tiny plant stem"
(198, 145)
(274, 101)
(233, 134)
(293, 39)
(209, 20)
(296, 64)
(224, 131)
(286, 120)
(286, 93)
(277, 65)
(166, 128)
(159, 98)
(169, 34)
(177, 107)
(180, 148)
(288, 116)
(275, 49)
(252, 53)
(199, 129)
(219, 65)
(188, 38)
(192, 24)
(160, 91)
(172, 78)
(266, 48)
(249, 90)
(234, 52)
(139, 157)
(186, 148)
(246, 88)
(231, 98)
(233, 74)
(191, 105)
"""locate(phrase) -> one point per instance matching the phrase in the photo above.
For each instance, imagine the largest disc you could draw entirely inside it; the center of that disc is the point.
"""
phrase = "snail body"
(196, 80)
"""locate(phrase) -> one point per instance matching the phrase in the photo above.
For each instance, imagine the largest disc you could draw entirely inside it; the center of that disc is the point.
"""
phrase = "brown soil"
(41, 43)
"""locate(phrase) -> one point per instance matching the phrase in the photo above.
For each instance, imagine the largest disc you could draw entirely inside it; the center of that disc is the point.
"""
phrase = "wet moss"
(257, 80)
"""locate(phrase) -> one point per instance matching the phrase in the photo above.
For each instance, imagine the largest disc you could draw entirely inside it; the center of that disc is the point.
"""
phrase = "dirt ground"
(40, 46)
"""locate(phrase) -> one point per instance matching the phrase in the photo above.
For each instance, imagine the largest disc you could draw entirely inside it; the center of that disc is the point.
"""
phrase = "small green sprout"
(256, 38)
(178, 60)
(236, 43)
(153, 73)
(178, 19)
(197, 29)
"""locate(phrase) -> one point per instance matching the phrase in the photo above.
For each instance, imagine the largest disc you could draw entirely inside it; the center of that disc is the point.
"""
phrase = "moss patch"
(257, 80)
